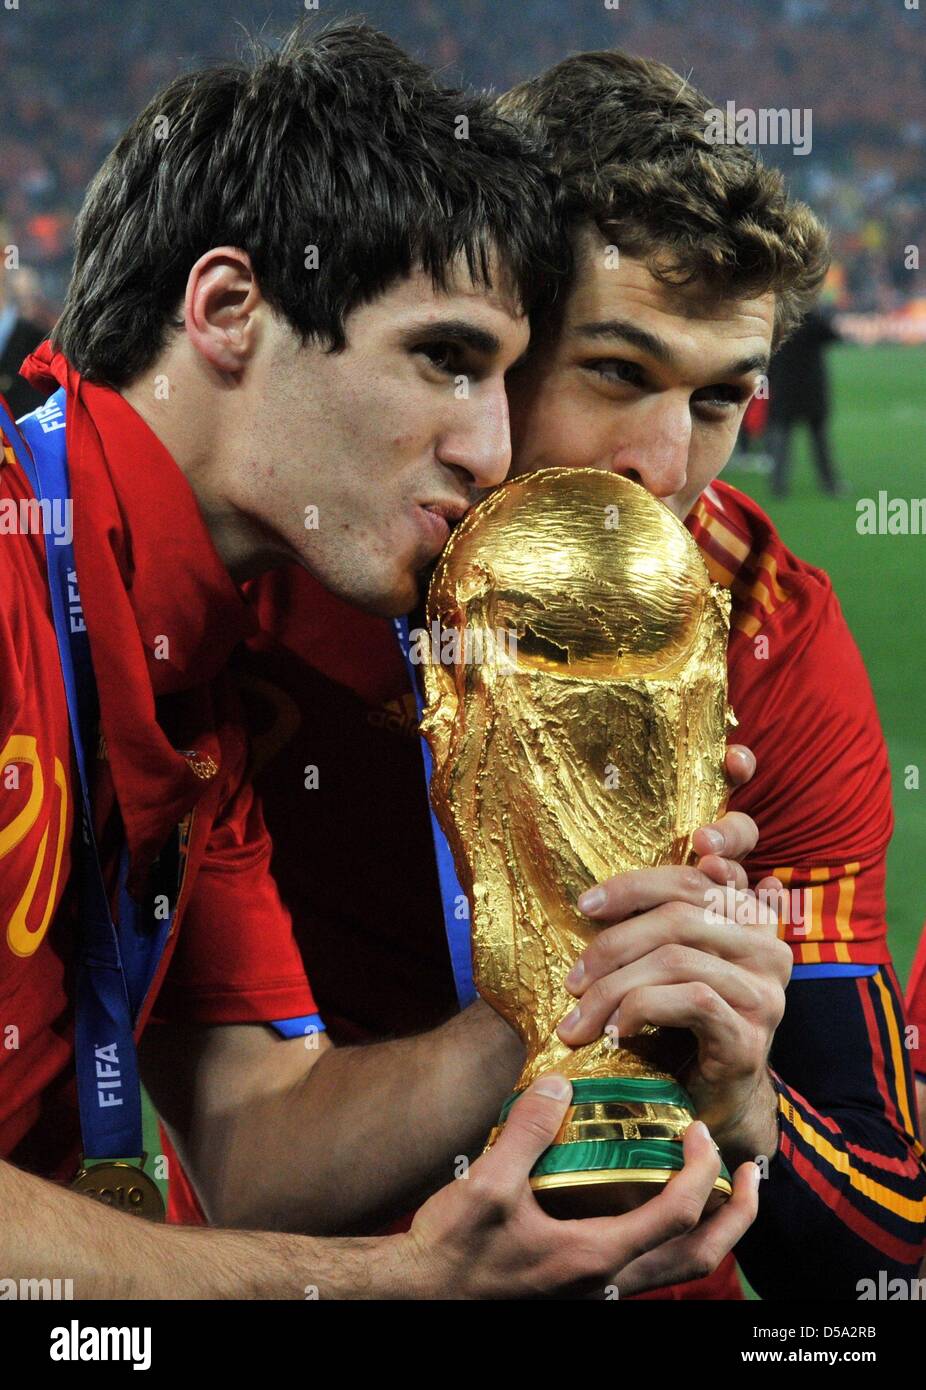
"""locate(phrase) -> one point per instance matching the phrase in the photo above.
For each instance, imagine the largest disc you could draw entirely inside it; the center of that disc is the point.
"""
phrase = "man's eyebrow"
(659, 349)
(454, 331)
(758, 362)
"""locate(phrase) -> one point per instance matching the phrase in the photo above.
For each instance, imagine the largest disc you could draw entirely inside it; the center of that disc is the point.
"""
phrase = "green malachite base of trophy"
(621, 1139)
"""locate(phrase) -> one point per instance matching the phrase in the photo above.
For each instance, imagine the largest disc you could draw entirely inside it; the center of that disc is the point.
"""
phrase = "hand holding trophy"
(578, 730)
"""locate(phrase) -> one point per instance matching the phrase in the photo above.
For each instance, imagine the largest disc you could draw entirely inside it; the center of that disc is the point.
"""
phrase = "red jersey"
(162, 616)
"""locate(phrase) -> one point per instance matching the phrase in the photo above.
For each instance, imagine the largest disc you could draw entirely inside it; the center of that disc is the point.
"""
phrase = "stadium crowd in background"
(60, 117)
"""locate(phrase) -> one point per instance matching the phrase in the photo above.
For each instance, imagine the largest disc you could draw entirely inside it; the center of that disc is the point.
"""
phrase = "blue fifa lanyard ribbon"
(115, 965)
(453, 899)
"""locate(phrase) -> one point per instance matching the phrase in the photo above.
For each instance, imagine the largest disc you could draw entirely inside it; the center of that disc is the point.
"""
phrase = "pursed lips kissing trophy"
(579, 732)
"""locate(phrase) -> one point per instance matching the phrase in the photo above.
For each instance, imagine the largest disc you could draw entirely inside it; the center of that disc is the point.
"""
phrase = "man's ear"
(219, 307)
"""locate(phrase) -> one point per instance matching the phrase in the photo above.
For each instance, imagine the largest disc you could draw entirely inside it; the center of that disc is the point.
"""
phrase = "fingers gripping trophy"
(577, 719)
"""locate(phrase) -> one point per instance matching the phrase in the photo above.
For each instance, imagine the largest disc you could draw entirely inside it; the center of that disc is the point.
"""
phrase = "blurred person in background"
(749, 454)
(19, 334)
(799, 394)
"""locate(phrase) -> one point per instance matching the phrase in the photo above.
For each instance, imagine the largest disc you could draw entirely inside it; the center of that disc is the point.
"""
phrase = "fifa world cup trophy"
(577, 716)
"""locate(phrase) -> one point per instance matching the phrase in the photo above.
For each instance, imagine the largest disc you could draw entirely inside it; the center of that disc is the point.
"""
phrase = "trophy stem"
(620, 1140)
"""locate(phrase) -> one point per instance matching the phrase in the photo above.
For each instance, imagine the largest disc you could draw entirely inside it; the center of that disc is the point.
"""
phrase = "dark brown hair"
(337, 141)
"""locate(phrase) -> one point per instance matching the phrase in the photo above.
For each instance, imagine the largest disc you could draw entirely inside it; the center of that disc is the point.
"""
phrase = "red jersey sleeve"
(236, 960)
(821, 795)
(916, 1008)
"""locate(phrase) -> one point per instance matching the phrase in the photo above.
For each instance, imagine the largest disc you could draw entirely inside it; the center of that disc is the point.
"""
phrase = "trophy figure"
(577, 716)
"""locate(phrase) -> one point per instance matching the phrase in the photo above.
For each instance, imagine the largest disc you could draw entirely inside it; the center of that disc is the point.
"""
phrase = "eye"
(617, 370)
(719, 401)
(444, 357)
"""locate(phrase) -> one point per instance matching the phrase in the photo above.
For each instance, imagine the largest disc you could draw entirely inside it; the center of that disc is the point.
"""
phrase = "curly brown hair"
(628, 139)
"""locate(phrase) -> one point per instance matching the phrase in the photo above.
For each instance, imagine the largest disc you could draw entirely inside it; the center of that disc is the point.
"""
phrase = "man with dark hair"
(280, 271)
(692, 265)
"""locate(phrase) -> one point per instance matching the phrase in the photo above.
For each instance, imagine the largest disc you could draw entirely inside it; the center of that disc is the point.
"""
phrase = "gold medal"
(122, 1186)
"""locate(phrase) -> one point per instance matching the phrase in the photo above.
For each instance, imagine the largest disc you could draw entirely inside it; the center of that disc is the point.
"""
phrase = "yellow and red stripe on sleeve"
(744, 561)
(834, 914)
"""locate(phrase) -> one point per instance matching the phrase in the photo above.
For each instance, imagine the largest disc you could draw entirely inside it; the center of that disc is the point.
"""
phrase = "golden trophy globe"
(577, 716)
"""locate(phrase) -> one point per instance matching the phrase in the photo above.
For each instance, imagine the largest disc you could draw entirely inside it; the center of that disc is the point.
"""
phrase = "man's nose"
(479, 437)
(655, 450)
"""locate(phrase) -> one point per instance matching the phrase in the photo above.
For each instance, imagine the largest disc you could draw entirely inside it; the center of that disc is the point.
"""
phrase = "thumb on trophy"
(532, 1125)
